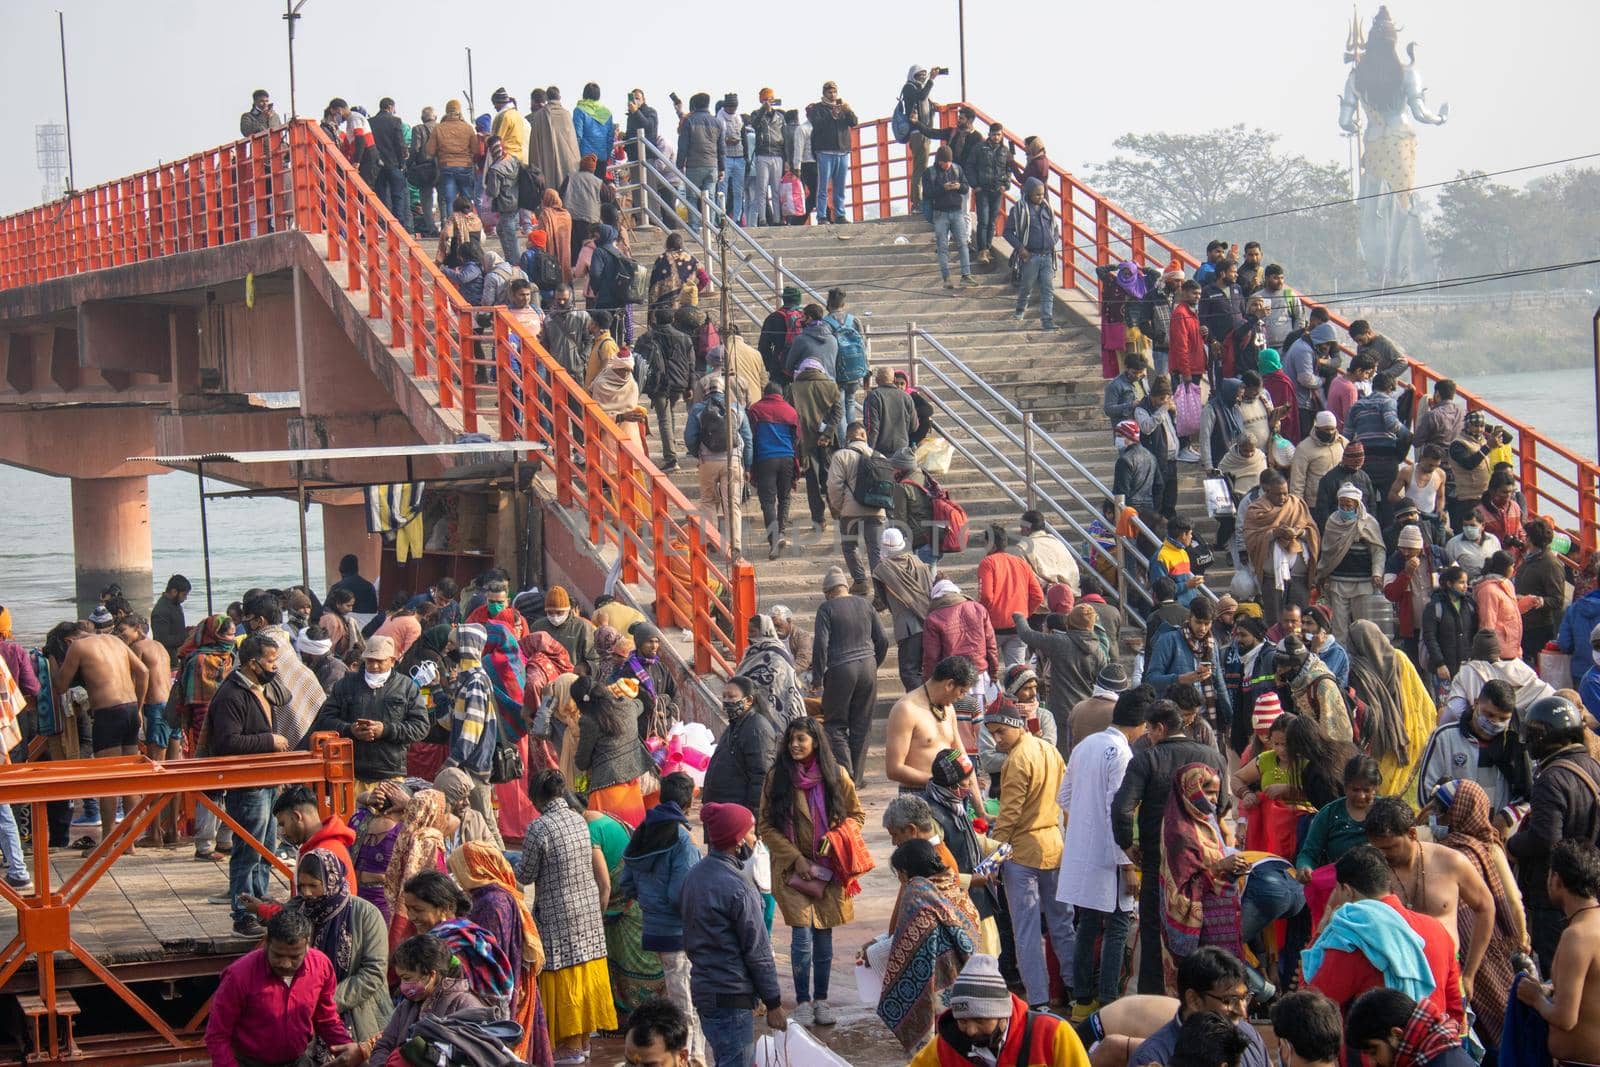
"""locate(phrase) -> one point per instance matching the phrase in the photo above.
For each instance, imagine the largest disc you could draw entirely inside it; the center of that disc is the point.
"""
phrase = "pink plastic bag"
(1186, 398)
(794, 196)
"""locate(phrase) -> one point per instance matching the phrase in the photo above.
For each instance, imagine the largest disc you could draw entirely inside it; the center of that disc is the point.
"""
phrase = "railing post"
(1587, 507)
(911, 354)
(627, 514)
(705, 222)
(1528, 461)
(1102, 233)
(699, 601)
(1119, 502)
(777, 281)
(660, 553)
(1027, 457)
(744, 605)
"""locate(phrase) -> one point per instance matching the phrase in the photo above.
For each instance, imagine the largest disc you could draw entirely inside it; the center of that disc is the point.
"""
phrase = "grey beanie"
(979, 991)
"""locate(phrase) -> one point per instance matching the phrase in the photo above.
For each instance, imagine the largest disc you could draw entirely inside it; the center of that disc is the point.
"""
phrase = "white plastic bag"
(869, 975)
(1556, 668)
(1219, 501)
(1243, 587)
(761, 868)
(934, 454)
(795, 1047)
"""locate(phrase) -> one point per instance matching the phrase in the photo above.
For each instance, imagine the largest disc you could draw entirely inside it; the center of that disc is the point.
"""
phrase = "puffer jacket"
(989, 165)
(700, 142)
(453, 143)
(1562, 806)
(1576, 625)
(611, 759)
(726, 939)
(654, 866)
(1447, 629)
(958, 626)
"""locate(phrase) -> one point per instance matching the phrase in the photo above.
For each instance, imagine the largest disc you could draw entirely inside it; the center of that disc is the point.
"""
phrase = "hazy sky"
(165, 78)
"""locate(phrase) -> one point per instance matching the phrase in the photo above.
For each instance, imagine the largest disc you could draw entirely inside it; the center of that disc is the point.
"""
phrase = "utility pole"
(961, 33)
(472, 106)
(66, 101)
(291, 15)
(731, 504)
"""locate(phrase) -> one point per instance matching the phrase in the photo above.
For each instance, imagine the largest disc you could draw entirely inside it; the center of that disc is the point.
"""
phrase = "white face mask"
(375, 681)
(558, 617)
(1472, 533)
(1595, 653)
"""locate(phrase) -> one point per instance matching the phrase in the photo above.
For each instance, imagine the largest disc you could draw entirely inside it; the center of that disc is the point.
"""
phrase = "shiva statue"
(1387, 91)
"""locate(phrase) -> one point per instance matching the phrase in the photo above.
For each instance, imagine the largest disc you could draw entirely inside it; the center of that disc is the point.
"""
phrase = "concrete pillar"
(111, 538)
(344, 530)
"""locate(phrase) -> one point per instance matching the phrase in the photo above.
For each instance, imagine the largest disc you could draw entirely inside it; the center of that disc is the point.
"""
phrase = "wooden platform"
(148, 915)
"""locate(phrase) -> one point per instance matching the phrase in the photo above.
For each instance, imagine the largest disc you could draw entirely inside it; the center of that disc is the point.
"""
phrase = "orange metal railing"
(1556, 482)
(484, 364)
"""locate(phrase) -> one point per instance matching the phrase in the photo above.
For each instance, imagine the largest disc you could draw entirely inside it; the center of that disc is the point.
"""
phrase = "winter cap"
(950, 768)
(644, 631)
(791, 294)
(1225, 604)
(557, 599)
(834, 579)
(1322, 333)
(1006, 715)
(1410, 537)
(979, 992)
(539, 238)
(470, 639)
(1348, 491)
(1475, 418)
(892, 541)
(379, 647)
(1129, 429)
(1113, 678)
(1355, 450)
(943, 587)
(1445, 794)
(1325, 420)
(725, 824)
(765, 94)
(499, 96)
(1018, 675)
(101, 617)
(903, 460)
(1266, 711)
(1486, 646)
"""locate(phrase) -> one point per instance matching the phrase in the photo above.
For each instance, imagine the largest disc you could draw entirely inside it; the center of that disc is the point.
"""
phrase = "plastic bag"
(934, 454)
(1555, 667)
(1219, 499)
(1243, 587)
(687, 748)
(1186, 399)
(795, 1047)
(869, 975)
(761, 868)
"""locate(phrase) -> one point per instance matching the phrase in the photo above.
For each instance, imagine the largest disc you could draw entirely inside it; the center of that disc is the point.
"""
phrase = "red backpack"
(794, 321)
(951, 517)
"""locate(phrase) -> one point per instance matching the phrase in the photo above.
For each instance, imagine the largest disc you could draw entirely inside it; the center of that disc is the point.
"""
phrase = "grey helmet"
(1552, 714)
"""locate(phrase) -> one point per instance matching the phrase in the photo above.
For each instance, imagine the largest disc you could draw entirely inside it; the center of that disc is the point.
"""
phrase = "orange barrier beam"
(1557, 483)
(44, 918)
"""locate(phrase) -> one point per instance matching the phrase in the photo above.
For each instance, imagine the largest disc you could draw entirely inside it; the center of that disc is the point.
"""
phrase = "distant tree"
(1197, 183)
(1483, 227)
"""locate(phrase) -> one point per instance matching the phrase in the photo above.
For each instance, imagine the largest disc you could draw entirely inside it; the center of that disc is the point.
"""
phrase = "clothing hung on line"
(397, 509)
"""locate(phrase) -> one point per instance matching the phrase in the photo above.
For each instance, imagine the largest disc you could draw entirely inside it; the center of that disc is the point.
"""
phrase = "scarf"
(1474, 836)
(1225, 402)
(1245, 470)
(331, 914)
(1262, 517)
(206, 659)
(1197, 908)
(1130, 279)
(479, 863)
(639, 667)
(419, 844)
(1427, 1036)
(935, 934)
(1339, 536)
(769, 664)
(614, 388)
(808, 778)
(487, 970)
(956, 804)
(1375, 673)
(502, 659)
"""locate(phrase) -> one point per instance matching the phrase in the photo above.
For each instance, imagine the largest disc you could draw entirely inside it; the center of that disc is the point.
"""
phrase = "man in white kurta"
(1098, 881)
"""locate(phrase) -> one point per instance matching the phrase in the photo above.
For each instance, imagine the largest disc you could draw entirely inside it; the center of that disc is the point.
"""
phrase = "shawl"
(479, 864)
(485, 966)
(1130, 279)
(1225, 402)
(420, 844)
(1197, 908)
(553, 143)
(808, 779)
(614, 388)
(331, 914)
(1280, 388)
(1376, 931)
(1427, 1036)
(1245, 471)
(769, 665)
(206, 659)
(565, 710)
(748, 369)
(555, 221)
(1262, 517)
(908, 580)
(545, 659)
(502, 659)
(607, 654)
(936, 934)
(1339, 536)
(1474, 836)
(1394, 700)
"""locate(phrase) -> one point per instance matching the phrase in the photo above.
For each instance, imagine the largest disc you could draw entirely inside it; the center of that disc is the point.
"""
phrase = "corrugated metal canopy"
(307, 455)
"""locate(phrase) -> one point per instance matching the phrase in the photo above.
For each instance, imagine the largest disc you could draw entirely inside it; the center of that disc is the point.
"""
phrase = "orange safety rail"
(44, 918)
(295, 178)
(1557, 483)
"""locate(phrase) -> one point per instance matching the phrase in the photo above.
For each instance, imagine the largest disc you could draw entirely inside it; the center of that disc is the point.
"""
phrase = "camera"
(675, 98)
(941, 70)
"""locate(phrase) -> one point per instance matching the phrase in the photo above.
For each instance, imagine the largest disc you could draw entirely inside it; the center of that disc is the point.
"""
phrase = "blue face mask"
(1347, 514)
(1487, 726)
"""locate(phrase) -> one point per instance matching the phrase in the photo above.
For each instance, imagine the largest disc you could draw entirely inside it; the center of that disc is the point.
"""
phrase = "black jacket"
(1447, 629)
(768, 124)
(725, 937)
(1328, 491)
(890, 417)
(740, 763)
(1147, 786)
(1562, 806)
(611, 759)
(641, 120)
(365, 592)
(988, 166)
(236, 723)
(668, 356)
(934, 181)
(830, 130)
(397, 704)
(388, 133)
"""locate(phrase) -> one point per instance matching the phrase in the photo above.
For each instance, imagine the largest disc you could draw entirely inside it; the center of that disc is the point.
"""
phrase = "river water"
(256, 542)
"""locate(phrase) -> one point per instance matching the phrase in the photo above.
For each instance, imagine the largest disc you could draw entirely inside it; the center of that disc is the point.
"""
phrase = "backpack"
(900, 122)
(422, 171)
(794, 321)
(873, 485)
(951, 517)
(650, 360)
(714, 423)
(851, 365)
(541, 268)
(625, 282)
(530, 188)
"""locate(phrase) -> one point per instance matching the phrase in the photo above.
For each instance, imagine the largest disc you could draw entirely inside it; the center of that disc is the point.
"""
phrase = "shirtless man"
(923, 723)
(1433, 879)
(161, 742)
(1570, 1002)
(1113, 1033)
(115, 679)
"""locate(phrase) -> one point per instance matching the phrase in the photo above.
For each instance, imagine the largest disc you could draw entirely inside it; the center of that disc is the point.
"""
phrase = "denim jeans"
(209, 832)
(988, 202)
(247, 868)
(945, 225)
(1111, 928)
(11, 844)
(730, 1034)
(1158, 362)
(395, 194)
(1030, 892)
(701, 180)
(811, 953)
(1039, 272)
(845, 409)
(1271, 893)
(831, 170)
(734, 169)
(767, 206)
(453, 182)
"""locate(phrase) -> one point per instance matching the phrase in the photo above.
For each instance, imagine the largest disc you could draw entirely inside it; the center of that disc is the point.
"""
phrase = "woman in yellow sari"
(1400, 712)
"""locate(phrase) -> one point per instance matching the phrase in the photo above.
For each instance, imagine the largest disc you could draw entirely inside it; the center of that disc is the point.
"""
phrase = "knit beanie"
(834, 579)
(979, 991)
(1486, 646)
(557, 599)
(950, 768)
(1018, 675)
(725, 824)
(1266, 711)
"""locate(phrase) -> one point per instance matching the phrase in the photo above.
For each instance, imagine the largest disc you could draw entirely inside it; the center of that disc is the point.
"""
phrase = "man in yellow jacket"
(986, 1024)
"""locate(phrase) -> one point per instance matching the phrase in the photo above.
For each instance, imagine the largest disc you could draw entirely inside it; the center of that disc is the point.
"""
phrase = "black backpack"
(625, 282)
(873, 485)
(714, 424)
(541, 268)
(650, 359)
(530, 188)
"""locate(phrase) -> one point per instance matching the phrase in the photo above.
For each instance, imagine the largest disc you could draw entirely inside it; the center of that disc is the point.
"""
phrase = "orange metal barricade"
(1558, 484)
(496, 375)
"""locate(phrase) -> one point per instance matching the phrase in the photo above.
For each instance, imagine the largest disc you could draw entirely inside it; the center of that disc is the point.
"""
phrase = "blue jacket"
(594, 137)
(725, 937)
(1336, 659)
(1172, 656)
(1589, 690)
(654, 866)
(1582, 616)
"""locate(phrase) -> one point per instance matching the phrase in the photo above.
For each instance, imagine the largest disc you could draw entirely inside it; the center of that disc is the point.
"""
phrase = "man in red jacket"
(957, 625)
(273, 1001)
(1007, 586)
(1186, 352)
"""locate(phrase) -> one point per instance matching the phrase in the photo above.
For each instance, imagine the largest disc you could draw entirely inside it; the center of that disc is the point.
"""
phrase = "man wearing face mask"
(1316, 456)
(238, 723)
(1482, 746)
(725, 937)
(381, 710)
(743, 755)
(1325, 499)
(573, 632)
(1563, 806)
(1351, 564)
(1472, 547)
(987, 1024)
(566, 334)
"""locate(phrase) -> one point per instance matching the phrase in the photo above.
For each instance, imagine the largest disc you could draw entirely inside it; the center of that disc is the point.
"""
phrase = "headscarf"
(565, 710)
(5, 624)
(205, 660)
(502, 659)
(606, 641)
(1268, 361)
(455, 784)
(331, 914)
(769, 665)
(1224, 400)
(419, 843)
(487, 969)
(1197, 907)
(1245, 470)
(478, 864)
(1128, 277)
(452, 109)
(1375, 673)
(615, 389)
(1466, 811)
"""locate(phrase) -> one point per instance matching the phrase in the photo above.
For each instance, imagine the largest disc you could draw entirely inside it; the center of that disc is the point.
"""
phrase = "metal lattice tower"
(50, 153)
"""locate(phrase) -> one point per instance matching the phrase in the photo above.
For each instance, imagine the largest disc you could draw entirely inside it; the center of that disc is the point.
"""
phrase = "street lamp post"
(291, 15)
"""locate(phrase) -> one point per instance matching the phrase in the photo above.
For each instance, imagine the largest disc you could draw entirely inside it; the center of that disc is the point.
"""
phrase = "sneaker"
(822, 1015)
(773, 550)
(23, 884)
(577, 1055)
(1047, 327)
(1188, 455)
(1081, 1011)
(966, 280)
(668, 468)
(206, 857)
(248, 927)
(948, 284)
(220, 898)
(803, 1014)
(1019, 313)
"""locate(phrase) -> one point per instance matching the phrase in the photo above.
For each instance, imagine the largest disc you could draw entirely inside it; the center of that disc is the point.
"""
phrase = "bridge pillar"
(111, 538)
(344, 530)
